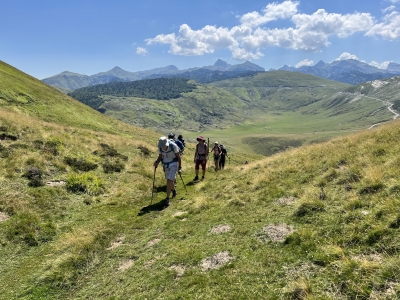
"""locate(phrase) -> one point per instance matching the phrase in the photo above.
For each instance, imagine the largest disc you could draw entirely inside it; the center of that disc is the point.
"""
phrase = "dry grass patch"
(153, 242)
(125, 265)
(3, 217)
(278, 233)
(178, 269)
(220, 229)
(216, 261)
(117, 243)
(286, 200)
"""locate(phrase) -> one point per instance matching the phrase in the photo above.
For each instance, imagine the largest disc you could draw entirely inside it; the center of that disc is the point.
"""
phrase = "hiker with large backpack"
(168, 154)
(200, 157)
(224, 154)
(217, 155)
(181, 146)
(182, 140)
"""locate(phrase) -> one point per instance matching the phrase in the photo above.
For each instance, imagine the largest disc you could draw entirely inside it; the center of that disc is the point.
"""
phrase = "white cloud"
(309, 32)
(390, 8)
(383, 65)
(305, 62)
(394, 1)
(271, 12)
(346, 55)
(141, 51)
(389, 29)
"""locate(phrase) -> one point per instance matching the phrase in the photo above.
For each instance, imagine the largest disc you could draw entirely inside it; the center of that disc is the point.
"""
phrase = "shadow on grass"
(159, 206)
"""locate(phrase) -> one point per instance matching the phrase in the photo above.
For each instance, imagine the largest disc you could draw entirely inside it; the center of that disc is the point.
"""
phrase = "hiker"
(182, 140)
(224, 154)
(217, 155)
(171, 136)
(200, 157)
(168, 154)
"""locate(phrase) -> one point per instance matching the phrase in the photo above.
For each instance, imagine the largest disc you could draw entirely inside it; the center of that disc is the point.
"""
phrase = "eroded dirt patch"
(216, 261)
(286, 200)
(153, 242)
(3, 217)
(179, 213)
(117, 243)
(126, 264)
(276, 233)
(220, 229)
(179, 269)
(55, 183)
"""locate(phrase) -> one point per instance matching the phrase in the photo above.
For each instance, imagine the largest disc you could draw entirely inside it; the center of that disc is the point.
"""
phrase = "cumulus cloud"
(141, 51)
(389, 29)
(271, 12)
(346, 55)
(306, 62)
(309, 32)
(383, 65)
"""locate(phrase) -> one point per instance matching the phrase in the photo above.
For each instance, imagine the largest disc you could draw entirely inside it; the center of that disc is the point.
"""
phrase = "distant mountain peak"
(221, 63)
(320, 64)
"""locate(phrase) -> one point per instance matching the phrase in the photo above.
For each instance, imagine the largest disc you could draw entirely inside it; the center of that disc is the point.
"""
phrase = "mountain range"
(349, 71)
(69, 81)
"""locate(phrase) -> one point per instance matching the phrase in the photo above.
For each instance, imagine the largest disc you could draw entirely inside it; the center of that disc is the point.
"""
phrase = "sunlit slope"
(320, 221)
(203, 107)
(24, 94)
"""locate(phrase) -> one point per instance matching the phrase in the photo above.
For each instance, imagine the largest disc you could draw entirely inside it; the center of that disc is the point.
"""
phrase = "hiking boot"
(202, 177)
(166, 202)
(173, 194)
(196, 178)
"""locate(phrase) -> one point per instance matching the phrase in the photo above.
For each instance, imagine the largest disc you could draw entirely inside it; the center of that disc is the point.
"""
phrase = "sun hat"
(200, 137)
(216, 143)
(163, 142)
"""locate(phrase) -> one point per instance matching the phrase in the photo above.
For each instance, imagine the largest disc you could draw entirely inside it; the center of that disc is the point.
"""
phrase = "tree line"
(158, 88)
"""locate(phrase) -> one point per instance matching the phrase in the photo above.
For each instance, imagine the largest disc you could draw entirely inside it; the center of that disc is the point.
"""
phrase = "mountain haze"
(71, 81)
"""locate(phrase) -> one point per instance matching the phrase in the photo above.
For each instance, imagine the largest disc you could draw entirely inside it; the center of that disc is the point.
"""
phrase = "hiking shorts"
(202, 162)
(216, 157)
(170, 171)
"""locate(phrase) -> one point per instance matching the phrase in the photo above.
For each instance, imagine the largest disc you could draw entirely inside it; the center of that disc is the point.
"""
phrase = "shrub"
(35, 176)
(80, 164)
(309, 208)
(113, 166)
(85, 183)
(26, 228)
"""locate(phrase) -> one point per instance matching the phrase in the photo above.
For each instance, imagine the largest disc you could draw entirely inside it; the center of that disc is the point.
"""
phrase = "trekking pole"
(154, 181)
(183, 183)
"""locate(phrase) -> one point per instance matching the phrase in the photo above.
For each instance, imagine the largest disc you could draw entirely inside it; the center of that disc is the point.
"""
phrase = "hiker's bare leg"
(170, 187)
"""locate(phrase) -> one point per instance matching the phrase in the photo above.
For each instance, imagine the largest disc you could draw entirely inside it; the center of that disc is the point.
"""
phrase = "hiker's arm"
(159, 158)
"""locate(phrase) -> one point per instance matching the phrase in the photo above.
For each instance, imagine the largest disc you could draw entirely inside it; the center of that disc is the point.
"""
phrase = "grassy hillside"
(77, 218)
(24, 94)
(316, 222)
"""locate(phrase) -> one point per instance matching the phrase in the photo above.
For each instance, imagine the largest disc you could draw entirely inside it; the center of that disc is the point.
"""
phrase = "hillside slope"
(24, 94)
(79, 218)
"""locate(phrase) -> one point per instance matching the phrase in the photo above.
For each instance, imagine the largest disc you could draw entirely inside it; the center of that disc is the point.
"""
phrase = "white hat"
(163, 142)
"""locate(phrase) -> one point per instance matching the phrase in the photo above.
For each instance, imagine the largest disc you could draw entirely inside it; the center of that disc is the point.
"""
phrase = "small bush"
(108, 151)
(144, 150)
(113, 166)
(85, 183)
(372, 189)
(80, 164)
(35, 177)
(309, 208)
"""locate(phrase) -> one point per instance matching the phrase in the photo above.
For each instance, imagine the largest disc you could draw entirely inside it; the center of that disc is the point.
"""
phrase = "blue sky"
(46, 37)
